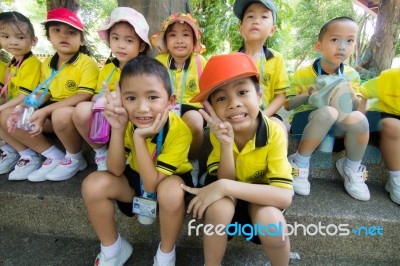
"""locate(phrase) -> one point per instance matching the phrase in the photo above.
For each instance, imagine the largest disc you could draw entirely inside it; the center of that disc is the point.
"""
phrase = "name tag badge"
(176, 109)
(145, 207)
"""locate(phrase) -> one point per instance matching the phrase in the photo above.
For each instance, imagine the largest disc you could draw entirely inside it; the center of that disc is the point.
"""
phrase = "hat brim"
(63, 21)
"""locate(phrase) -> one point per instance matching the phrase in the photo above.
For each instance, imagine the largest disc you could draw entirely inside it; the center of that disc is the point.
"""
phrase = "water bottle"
(25, 113)
(99, 129)
(146, 220)
(327, 143)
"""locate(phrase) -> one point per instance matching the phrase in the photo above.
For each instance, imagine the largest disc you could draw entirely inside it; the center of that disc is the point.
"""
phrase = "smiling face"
(144, 96)
(180, 40)
(125, 44)
(257, 23)
(16, 39)
(238, 103)
(65, 39)
(337, 44)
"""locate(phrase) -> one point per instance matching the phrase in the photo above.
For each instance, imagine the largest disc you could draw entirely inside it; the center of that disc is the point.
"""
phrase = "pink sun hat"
(158, 39)
(130, 15)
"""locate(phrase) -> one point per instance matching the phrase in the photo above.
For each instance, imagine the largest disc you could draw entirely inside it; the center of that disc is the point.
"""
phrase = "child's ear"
(317, 46)
(273, 30)
(172, 99)
(142, 46)
(34, 41)
(260, 97)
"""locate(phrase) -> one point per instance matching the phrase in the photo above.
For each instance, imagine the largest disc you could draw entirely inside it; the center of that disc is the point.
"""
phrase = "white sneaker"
(301, 185)
(66, 169)
(8, 160)
(101, 161)
(354, 182)
(25, 166)
(393, 187)
(195, 172)
(119, 259)
(169, 263)
(47, 166)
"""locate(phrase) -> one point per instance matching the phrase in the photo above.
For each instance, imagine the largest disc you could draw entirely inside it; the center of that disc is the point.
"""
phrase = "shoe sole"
(24, 177)
(56, 178)
(351, 193)
(388, 188)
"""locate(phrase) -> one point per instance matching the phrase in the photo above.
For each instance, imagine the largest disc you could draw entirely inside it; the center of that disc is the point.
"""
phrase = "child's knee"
(82, 112)
(194, 121)
(62, 118)
(170, 195)
(325, 115)
(390, 127)
(221, 209)
(95, 185)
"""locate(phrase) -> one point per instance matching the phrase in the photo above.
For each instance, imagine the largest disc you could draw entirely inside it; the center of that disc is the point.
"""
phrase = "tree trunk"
(72, 5)
(156, 11)
(383, 41)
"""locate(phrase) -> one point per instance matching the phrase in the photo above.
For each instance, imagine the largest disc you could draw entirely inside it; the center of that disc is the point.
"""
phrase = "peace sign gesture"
(114, 112)
(223, 131)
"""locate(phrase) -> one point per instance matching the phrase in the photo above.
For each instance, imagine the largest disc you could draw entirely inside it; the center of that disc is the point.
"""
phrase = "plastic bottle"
(99, 129)
(146, 220)
(327, 143)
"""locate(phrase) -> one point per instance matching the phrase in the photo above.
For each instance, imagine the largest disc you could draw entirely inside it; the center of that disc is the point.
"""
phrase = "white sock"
(302, 161)
(394, 173)
(8, 148)
(76, 156)
(111, 251)
(53, 152)
(101, 150)
(27, 152)
(164, 257)
(352, 165)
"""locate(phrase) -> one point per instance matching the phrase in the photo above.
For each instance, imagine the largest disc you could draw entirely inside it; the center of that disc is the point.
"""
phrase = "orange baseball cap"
(222, 69)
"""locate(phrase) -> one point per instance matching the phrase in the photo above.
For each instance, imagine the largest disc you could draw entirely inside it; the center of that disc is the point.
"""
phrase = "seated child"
(248, 162)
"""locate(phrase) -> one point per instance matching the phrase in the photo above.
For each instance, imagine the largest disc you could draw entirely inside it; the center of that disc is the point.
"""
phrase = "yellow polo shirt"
(304, 77)
(191, 87)
(263, 160)
(79, 74)
(386, 89)
(3, 66)
(111, 73)
(173, 158)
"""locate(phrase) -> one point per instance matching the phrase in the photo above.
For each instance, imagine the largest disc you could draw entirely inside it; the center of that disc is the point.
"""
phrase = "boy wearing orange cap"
(248, 163)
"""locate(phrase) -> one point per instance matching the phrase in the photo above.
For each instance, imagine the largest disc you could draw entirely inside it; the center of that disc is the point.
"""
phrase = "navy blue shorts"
(374, 120)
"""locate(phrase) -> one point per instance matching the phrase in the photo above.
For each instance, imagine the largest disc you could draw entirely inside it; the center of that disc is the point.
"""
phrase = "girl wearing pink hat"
(126, 33)
(179, 45)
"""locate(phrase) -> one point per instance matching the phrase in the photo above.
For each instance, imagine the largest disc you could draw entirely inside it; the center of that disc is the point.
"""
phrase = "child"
(258, 23)
(126, 33)
(20, 77)
(248, 159)
(336, 42)
(384, 123)
(139, 114)
(69, 77)
(180, 47)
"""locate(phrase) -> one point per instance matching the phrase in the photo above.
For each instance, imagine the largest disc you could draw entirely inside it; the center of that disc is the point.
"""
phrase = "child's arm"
(117, 116)
(13, 102)
(256, 193)
(363, 105)
(297, 100)
(223, 131)
(275, 104)
(148, 172)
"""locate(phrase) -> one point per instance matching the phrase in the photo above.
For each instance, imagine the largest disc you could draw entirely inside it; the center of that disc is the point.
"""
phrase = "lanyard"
(8, 78)
(183, 83)
(30, 100)
(262, 56)
(320, 69)
(107, 81)
(154, 156)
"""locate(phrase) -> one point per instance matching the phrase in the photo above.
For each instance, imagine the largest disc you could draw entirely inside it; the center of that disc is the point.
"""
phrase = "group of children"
(157, 109)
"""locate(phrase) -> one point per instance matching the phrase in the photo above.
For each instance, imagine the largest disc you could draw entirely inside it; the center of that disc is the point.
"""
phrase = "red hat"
(66, 16)
(222, 69)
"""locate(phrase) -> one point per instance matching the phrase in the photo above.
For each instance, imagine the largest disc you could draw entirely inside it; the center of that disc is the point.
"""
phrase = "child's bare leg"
(320, 121)
(194, 121)
(214, 246)
(172, 208)
(65, 129)
(99, 190)
(390, 143)
(275, 248)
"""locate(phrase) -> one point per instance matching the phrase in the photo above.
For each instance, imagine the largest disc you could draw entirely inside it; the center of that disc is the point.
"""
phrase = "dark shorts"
(277, 116)
(300, 121)
(134, 182)
(374, 121)
(241, 215)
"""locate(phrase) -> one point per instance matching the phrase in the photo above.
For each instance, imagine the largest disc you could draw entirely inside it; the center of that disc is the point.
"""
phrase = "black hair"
(325, 28)
(147, 47)
(253, 79)
(145, 65)
(83, 48)
(15, 18)
(169, 28)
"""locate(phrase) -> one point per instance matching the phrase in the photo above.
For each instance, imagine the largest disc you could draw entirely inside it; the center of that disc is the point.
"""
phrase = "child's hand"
(146, 132)
(114, 112)
(223, 131)
(37, 119)
(13, 119)
(204, 197)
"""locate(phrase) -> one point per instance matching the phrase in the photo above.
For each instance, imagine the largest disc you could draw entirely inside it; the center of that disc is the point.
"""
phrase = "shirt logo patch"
(267, 79)
(192, 85)
(70, 85)
(259, 175)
